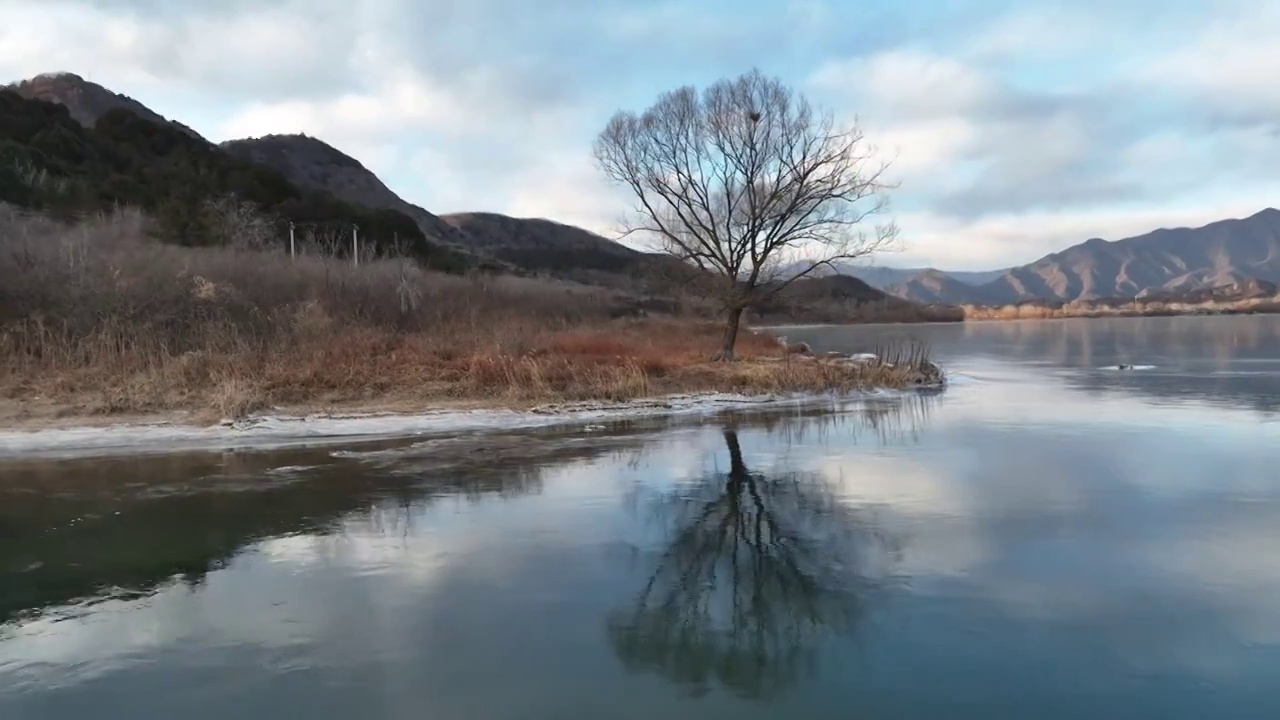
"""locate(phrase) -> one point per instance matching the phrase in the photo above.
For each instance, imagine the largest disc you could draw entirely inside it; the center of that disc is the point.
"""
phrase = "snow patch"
(274, 432)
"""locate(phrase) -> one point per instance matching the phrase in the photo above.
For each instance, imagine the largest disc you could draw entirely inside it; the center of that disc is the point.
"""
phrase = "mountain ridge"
(311, 162)
(1165, 260)
(87, 101)
(1174, 259)
(1180, 259)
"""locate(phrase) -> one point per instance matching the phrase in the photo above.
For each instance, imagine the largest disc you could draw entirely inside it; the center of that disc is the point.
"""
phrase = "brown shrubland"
(98, 319)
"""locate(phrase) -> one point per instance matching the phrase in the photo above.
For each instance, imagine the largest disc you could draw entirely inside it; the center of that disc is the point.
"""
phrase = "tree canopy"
(748, 182)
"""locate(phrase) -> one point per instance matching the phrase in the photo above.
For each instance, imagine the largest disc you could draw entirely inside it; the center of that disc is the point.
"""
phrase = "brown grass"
(95, 319)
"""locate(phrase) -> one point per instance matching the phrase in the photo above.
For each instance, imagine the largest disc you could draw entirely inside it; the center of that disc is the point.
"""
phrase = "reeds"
(97, 319)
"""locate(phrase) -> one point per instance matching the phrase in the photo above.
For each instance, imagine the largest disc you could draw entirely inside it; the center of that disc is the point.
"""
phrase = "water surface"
(1050, 537)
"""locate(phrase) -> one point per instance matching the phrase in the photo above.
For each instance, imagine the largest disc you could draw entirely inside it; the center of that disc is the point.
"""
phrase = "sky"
(1014, 129)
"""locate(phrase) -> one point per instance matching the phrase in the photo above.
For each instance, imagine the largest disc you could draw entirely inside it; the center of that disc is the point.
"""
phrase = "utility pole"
(355, 244)
(291, 246)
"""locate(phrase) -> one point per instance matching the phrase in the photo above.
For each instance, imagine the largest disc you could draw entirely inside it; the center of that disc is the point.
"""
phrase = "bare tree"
(239, 224)
(749, 184)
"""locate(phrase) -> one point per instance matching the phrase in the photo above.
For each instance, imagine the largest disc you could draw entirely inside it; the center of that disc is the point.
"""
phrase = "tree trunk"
(730, 335)
(737, 467)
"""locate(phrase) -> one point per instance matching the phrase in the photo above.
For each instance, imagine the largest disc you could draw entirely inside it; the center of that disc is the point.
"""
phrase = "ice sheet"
(267, 432)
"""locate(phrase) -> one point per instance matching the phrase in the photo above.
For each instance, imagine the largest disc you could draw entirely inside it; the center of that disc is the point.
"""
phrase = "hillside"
(540, 244)
(845, 298)
(889, 278)
(312, 163)
(1175, 260)
(935, 286)
(49, 161)
(523, 244)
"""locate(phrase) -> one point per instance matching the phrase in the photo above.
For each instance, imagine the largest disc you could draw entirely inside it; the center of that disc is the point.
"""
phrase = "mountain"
(87, 101)
(312, 163)
(934, 286)
(1170, 259)
(50, 161)
(887, 278)
(540, 244)
(530, 244)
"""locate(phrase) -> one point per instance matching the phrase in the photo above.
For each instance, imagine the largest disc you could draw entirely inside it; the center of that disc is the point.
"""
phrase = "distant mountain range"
(889, 277)
(1175, 260)
(1167, 260)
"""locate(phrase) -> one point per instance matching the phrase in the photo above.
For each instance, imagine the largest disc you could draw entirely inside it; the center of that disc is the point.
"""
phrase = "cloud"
(1228, 68)
(996, 240)
(1014, 130)
(1019, 143)
(399, 99)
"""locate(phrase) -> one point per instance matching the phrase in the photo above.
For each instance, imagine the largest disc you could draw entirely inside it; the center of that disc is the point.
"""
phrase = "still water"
(1047, 538)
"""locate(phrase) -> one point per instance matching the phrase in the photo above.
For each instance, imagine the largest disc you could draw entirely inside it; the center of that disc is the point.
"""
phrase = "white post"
(291, 244)
(355, 245)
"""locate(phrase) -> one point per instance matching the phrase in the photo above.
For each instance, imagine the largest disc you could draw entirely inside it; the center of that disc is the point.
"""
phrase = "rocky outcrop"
(87, 101)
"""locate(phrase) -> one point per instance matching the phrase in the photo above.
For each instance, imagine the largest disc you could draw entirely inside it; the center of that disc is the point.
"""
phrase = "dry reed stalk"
(102, 319)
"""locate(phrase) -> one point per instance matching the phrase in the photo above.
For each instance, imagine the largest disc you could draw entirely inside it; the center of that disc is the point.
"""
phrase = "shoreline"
(581, 374)
(1095, 310)
(53, 439)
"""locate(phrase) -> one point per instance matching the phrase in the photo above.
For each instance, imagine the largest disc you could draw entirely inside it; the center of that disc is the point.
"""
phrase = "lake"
(1050, 537)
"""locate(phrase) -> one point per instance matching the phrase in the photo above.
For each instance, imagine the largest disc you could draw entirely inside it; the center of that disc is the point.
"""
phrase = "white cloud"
(1230, 61)
(37, 38)
(1038, 31)
(997, 240)
(402, 99)
(1008, 143)
(905, 84)
(917, 150)
(567, 188)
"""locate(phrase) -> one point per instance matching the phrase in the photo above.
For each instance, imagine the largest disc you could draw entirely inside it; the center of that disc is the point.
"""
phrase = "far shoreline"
(1224, 301)
(1108, 316)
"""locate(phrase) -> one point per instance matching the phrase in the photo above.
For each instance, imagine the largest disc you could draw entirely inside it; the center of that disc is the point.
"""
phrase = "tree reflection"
(756, 570)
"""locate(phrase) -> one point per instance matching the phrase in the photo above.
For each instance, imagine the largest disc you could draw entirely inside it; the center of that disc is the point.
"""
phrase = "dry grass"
(97, 320)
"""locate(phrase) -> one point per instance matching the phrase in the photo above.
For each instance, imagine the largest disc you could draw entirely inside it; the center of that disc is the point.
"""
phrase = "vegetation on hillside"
(50, 162)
